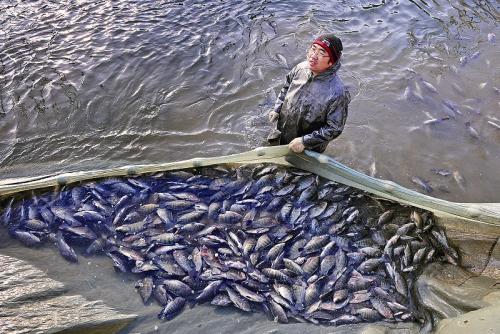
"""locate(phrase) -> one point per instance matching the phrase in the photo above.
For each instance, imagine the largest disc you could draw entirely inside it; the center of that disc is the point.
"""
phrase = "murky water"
(97, 84)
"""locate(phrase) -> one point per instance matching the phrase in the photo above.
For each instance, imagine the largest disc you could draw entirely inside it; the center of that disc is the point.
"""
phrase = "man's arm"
(335, 121)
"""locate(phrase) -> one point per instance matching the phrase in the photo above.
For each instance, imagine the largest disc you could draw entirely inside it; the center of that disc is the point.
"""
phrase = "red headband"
(325, 44)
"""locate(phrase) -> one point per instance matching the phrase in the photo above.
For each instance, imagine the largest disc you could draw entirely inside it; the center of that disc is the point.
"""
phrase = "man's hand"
(297, 145)
(273, 116)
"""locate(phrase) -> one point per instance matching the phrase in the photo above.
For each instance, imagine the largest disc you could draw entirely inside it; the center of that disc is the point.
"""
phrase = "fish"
(472, 132)
(262, 242)
(457, 176)
(27, 238)
(221, 300)
(145, 288)
(317, 209)
(172, 309)
(223, 235)
(311, 265)
(275, 251)
(381, 307)
(278, 312)
(491, 37)
(345, 320)
(441, 171)
(451, 108)
(144, 267)
(277, 275)
(160, 295)
(281, 59)
(313, 291)
(468, 58)
(416, 218)
(287, 190)
(406, 228)
(209, 291)
(248, 294)
(248, 246)
(130, 253)
(423, 184)
(434, 121)
(495, 125)
(385, 217)
(97, 246)
(293, 267)
(181, 256)
(419, 255)
(326, 265)
(368, 314)
(89, 215)
(369, 265)
(66, 251)
(177, 287)
(400, 283)
(81, 231)
(307, 194)
(410, 94)
(327, 249)
(229, 217)
(430, 87)
(65, 215)
(118, 262)
(238, 301)
(191, 216)
(316, 243)
(165, 238)
(359, 282)
(360, 297)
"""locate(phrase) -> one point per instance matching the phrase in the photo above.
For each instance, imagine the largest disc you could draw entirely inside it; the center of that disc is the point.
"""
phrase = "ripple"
(131, 81)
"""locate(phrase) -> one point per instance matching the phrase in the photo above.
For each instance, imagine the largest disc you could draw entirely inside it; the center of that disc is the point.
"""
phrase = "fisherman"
(311, 108)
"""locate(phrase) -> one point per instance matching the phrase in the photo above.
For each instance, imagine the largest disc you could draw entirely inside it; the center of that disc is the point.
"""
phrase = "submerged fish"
(441, 171)
(422, 183)
(472, 132)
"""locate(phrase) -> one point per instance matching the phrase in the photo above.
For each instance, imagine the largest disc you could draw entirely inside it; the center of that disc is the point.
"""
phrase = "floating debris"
(257, 237)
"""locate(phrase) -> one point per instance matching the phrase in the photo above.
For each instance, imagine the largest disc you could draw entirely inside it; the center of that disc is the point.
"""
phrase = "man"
(311, 108)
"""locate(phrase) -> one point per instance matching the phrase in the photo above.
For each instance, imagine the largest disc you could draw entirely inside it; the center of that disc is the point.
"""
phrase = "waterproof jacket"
(312, 107)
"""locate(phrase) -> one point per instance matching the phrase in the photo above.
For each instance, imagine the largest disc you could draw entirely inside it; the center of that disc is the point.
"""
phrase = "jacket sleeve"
(335, 121)
(281, 96)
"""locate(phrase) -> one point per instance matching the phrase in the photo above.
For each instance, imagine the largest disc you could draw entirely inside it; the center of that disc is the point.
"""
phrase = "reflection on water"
(97, 84)
(111, 83)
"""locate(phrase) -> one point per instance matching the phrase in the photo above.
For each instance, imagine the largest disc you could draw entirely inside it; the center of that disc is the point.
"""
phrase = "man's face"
(318, 59)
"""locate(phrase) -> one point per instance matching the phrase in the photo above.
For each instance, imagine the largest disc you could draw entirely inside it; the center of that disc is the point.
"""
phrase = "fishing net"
(443, 289)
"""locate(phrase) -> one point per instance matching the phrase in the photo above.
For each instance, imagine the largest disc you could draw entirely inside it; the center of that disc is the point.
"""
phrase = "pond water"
(95, 84)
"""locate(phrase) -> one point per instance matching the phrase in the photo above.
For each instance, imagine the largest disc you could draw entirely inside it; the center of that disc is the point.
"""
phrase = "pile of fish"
(258, 237)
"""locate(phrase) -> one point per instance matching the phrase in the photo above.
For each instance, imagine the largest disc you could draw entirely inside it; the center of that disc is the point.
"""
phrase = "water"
(98, 84)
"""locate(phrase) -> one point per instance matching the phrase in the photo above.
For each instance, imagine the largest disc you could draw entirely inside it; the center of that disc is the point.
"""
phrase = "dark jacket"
(311, 107)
